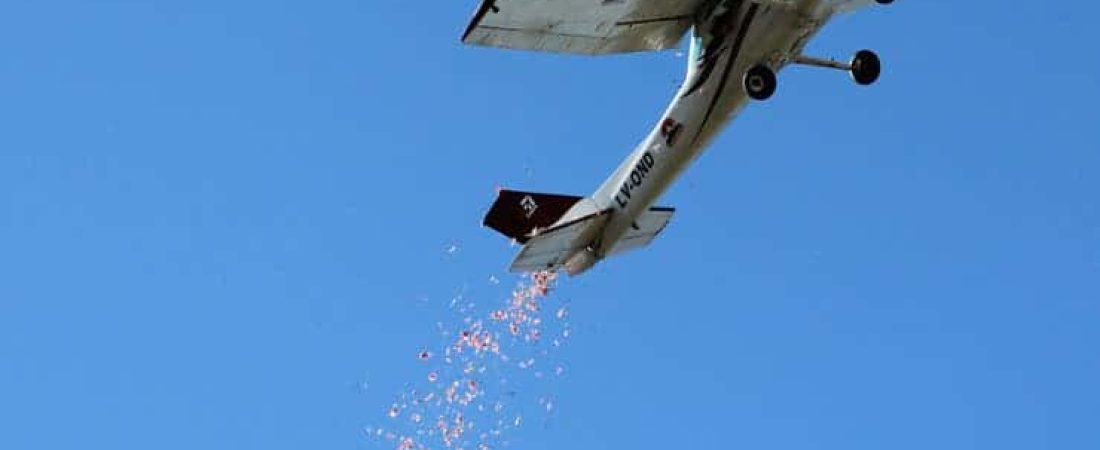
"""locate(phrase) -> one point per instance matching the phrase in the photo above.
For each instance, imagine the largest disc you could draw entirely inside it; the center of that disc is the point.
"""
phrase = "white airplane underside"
(737, 47)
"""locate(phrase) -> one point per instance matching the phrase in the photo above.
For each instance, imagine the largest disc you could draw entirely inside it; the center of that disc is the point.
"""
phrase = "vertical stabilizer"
(519, 214)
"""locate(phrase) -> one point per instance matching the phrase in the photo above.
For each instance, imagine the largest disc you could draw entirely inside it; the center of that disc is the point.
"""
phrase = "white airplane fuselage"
(737, 48)
(711, 95)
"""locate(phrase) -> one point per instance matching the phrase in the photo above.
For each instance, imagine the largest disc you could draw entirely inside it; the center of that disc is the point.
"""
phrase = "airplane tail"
(519, 214)
(555, 229)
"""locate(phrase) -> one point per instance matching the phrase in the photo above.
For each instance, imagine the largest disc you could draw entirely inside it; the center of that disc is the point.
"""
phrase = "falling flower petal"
(474, 384)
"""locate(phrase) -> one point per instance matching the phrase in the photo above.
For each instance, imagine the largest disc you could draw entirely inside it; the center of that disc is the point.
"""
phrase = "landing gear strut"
(864, 67)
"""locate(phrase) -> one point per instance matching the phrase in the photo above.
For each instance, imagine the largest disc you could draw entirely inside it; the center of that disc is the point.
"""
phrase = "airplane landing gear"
(759, 82)
(864, 67)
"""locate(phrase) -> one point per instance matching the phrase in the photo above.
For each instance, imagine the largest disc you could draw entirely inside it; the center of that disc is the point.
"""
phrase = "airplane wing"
(646, 227)
(549, 249)
(581, 26)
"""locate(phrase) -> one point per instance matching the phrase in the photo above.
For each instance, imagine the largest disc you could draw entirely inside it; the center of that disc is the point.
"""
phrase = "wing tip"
(479, 15)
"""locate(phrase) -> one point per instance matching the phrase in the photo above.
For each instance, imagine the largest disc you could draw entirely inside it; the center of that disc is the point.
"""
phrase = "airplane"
(736, 49)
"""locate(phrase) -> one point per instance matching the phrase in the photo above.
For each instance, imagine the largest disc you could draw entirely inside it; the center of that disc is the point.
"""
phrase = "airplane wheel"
(884, 2)
(760, 82)
(866, 67)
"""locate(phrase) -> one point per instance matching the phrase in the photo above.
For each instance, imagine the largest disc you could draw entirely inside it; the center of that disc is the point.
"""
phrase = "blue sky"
(222, 226)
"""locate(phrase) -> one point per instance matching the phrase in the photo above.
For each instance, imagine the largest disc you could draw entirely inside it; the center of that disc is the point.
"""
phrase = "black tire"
(759, 82)
(884, 2)
(866, 67)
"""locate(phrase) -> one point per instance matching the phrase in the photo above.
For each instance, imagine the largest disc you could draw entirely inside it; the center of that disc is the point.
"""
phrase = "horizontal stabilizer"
(645, 228)
(551, 248)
